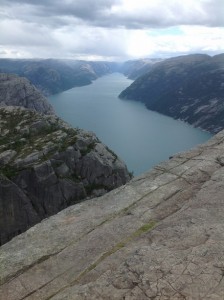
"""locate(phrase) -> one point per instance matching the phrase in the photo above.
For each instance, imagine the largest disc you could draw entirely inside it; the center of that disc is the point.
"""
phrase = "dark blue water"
(140, 137)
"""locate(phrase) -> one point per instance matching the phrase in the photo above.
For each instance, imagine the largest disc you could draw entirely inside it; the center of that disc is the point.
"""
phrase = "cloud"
(86, 11)
(15, 32)
(110, 29)
(123, 13)
(182, 39)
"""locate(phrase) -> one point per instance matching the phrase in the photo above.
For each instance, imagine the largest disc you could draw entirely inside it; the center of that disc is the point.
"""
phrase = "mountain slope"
(18, 91)
(190, 88)
(52, 76)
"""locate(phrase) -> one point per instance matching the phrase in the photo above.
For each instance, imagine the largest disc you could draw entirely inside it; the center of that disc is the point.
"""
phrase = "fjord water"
(140, 137)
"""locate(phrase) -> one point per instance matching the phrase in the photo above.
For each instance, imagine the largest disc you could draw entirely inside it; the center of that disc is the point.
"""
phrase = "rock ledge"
(161, 236)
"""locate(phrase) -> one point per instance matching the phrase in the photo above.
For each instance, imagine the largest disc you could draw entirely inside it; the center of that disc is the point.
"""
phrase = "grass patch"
(9, 171)
(4, 140)
(131, 174)
(88, 149)
(68, 142)
(112, 152)
(143, 229)
(90, 187)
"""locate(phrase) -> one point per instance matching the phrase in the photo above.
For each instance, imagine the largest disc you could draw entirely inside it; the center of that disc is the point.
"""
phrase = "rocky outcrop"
(18, 91)
(45, 166)
(161, 236)
(190, 88)
(52, 76)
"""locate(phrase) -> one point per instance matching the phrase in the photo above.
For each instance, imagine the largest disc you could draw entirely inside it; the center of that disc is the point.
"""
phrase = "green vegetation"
(88, 149)
(8, 171)
(143, 229)
(112, 152)
(89, 188)
(3, 140)
(69, 141)
(131, 174)
(23, 135)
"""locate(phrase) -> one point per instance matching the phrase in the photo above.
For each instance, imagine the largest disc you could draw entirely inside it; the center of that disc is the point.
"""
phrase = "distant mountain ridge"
(52, 76)
(136, 68)
(190, 88)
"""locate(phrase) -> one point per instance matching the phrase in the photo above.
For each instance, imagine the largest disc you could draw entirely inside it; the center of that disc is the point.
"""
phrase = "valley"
(140, 137)
(112, 150)
(74, 224)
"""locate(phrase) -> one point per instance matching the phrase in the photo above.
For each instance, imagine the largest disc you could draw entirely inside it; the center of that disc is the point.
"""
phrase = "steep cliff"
(18, 91)
(190, 88)
(45, 166)
(161, 236)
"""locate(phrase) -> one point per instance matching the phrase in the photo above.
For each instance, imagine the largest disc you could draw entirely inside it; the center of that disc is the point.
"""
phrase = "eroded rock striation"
(45, 166)
(161, 236)
(190, 88)
(18, 91)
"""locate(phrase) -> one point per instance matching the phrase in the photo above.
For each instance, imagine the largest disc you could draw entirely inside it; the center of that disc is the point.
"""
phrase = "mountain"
(161, 236)
(190, 88)
(136, 68)
(52, 76)
(45, 166)
(18, 91)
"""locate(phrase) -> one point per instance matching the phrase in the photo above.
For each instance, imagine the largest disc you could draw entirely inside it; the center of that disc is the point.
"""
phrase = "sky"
(112, 30)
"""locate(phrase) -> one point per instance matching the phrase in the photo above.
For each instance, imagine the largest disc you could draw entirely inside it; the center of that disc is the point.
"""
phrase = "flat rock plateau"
(160, 236)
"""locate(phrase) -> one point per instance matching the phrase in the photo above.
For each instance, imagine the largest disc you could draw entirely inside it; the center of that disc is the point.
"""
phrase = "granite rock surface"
(160, 236)
(18, 91)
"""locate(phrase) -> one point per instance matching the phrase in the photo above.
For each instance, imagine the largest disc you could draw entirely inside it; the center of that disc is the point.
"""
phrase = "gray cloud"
(102, 28)
(101, 13)
(88, 11)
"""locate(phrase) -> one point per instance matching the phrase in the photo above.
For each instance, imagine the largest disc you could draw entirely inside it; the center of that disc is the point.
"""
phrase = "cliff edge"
(45, 166)
(161, 236)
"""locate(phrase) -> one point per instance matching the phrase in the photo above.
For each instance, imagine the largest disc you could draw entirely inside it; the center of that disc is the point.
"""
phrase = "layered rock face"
(45, 166)
(18, 91)
(161, 236)
(190, 88)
